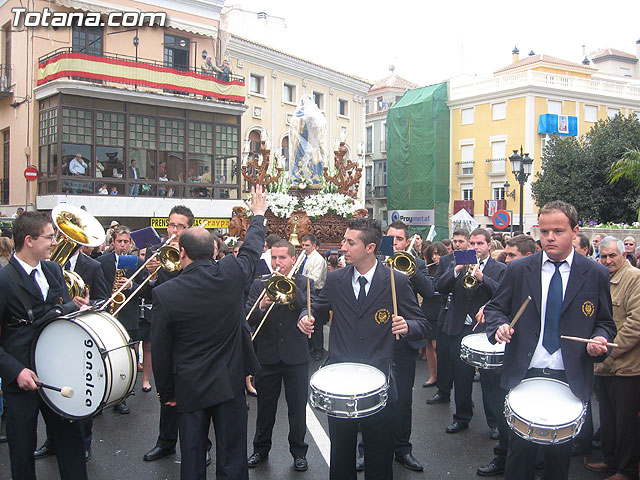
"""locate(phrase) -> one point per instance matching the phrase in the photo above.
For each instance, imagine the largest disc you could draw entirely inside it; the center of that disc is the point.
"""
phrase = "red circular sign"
(501, 219)
(31, 174)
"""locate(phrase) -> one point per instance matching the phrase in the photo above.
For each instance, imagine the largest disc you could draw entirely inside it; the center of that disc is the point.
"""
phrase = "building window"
(256, 84)
(109, 128)
(4, 186)
(625, 71)
(612, 112)
(289, 93)
(284, 152)
(380, 174)
(554, 107)
(5, 74)
(318, 99)
(467, 116)
(499, 111)
(467, 160)
(498, 193)
(590, 113)
(368, 181)
(176, 52)
(383, 140)
(467, 192)
(343, 107)
(226, 159)
(369, 139)
(87, 40)
(498, 156)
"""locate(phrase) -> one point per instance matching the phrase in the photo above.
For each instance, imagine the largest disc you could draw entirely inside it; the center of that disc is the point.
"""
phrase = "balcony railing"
(464, 169)
(110, 69)
(495, 166)
(5, 80)
(380, 191)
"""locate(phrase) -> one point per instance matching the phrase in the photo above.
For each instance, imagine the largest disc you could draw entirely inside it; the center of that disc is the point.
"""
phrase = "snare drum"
(349, 390)
(544, 411)
(88, 352)
(478, 351)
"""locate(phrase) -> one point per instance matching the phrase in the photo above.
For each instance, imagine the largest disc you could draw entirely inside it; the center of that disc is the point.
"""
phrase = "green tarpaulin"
(418, 155)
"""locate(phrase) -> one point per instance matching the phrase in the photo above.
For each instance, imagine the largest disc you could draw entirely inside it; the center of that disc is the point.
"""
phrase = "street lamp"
(521, 167)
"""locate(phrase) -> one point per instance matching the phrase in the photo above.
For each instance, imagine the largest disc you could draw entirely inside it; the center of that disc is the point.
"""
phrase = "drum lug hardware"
(100, 374)
(123, 376)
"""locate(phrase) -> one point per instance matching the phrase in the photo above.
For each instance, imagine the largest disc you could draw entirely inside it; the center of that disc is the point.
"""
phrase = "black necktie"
(67, 266)
(33, 277)
(551, 339)
(362, 295)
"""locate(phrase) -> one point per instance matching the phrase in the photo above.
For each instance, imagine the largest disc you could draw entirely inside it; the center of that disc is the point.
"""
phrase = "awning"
(106, 8)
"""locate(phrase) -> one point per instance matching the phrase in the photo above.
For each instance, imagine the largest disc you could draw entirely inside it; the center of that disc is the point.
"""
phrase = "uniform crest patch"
(382, 316)
(588, 309)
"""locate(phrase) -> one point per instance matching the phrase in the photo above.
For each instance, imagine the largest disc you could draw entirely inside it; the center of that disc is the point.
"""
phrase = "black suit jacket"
(586, 312)
(364, 335)
(467, 301)
(279, 339)
(15, 343)
(198, 334)
(91, 272)
(421, 283)
(129, 316)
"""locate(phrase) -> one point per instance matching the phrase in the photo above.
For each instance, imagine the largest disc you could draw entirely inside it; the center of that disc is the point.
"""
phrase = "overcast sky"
(431, 41)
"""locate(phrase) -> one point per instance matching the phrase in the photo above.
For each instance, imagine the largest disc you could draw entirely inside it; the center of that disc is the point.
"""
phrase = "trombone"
(403, 261)
(281, 289)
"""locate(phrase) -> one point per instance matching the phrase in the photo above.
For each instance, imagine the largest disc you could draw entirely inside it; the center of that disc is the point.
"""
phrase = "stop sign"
(31, 174)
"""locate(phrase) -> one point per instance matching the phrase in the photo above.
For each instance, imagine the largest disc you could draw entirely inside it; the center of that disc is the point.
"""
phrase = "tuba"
(74, 228)
(403, 261)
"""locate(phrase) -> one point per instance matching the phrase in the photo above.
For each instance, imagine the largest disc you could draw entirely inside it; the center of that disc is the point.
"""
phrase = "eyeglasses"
(627, 244)
(50, 238)
(177, 226)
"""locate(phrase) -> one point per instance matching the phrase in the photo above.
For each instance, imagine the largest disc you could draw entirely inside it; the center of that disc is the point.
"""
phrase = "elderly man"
(618, 377)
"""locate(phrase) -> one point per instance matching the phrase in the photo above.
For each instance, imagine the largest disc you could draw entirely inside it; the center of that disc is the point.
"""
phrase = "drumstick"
(587, 340)
(393, 295)
(262, 322)
(66, 392)
(308, 300)
(520, 311)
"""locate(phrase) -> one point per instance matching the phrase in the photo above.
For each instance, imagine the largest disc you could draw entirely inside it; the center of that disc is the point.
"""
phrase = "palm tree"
(627, 167)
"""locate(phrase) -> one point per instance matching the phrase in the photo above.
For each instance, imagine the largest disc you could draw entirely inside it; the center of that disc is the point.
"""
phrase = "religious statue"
(307, 143)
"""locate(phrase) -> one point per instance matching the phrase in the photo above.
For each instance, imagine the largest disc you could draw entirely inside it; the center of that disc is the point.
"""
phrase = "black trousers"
(168, 430)
(22, 424)
(377, 431)
(619, 407)
(316, 342)
(230, 424)
(524, 455)
(404, 357)
(296, 384)
(502, 447)
(444, 380)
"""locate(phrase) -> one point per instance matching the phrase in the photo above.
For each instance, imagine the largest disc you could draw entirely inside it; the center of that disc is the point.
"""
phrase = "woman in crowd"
(6, 250)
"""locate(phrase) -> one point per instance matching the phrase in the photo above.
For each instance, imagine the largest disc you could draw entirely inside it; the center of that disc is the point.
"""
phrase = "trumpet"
(469, 279)
(403, 261)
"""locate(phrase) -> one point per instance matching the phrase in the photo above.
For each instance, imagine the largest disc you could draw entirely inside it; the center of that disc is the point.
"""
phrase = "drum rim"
(383, 388)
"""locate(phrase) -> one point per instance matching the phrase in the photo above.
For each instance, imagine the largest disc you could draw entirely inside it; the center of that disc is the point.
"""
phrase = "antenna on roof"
(392, 68)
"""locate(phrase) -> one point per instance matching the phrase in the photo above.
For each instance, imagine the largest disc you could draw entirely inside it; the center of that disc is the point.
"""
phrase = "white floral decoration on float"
(281, 204)
(323, 203)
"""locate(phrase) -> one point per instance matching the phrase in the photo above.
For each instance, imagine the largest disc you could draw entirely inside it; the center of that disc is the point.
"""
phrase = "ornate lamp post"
(521, 167)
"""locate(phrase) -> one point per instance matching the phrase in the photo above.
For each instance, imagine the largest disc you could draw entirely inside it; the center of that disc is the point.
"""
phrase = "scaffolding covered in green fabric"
(418, 155)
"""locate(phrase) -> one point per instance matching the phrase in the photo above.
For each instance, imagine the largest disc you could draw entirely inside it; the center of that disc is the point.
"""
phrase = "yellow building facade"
(492, 118)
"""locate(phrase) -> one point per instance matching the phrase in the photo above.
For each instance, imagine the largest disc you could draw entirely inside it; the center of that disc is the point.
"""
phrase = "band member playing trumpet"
(570, 297)
(129, 315)
(201, 347)
(30, 287)
(284, 357)
(470, 291)
(362, 331)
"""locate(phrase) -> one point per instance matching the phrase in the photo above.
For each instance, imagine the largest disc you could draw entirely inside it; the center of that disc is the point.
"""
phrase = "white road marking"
(319, 435)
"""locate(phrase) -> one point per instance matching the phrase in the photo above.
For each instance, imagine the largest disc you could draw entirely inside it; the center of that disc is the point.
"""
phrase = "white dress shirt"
(541, 358)
(40, 277)
(316, 269)
(368, 275)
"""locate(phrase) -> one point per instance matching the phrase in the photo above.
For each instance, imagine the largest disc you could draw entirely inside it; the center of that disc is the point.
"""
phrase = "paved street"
(120, 441)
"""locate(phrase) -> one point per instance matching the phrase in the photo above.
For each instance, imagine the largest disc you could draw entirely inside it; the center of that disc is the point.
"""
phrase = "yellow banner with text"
(211, 222)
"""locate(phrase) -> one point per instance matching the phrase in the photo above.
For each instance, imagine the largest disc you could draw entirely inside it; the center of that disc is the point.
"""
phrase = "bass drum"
(90, 353)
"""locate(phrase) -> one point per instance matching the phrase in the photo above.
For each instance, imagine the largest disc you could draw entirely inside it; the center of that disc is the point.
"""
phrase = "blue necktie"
(551, 339)
(362, 295)
(304, 262)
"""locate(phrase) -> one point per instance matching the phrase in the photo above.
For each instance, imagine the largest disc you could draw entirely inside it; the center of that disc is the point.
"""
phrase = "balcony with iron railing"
(5, 80)
(115, 70)
(380, 191)
(495, 167)
(463, 169)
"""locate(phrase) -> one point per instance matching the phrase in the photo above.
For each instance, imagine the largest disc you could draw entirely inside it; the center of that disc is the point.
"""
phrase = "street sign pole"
(511, 227)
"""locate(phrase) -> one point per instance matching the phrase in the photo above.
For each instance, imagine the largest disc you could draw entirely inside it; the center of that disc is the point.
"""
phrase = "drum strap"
(22, 295)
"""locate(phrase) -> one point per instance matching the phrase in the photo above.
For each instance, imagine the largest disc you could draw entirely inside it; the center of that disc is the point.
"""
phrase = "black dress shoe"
(439, 397)
(121, 408)
(3, 439)
(495, 434)
(208, 458)
(158, 452)
(456, 427)
(256, 459)
(300, 464)
(360, 464)
(410, 462)
(87, 455)
(490, 470)
(428, 384)
(45, 450)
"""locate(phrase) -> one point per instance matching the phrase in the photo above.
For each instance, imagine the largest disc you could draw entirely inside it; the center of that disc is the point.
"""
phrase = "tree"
(627, 167)
(578, 170)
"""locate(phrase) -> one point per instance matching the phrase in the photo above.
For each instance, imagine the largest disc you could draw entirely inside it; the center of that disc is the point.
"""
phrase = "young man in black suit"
(459, 321)
(283, 353)
(42, 284)
(202, 350)
(570, 296)
(362, 331)
(128, 316)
